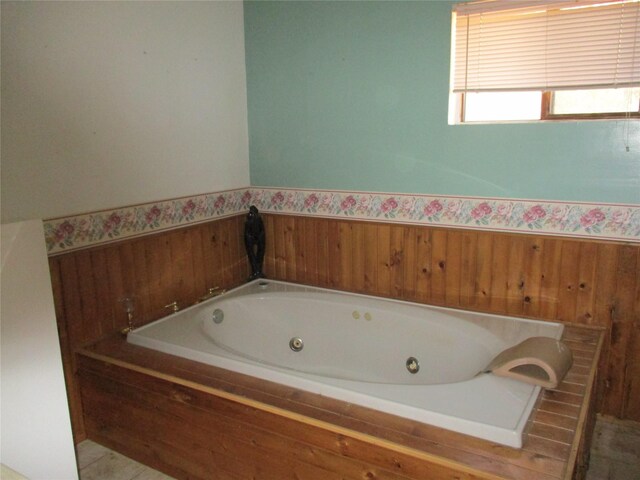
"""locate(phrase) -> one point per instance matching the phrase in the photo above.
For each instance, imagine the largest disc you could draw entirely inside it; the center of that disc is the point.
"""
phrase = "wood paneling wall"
(156, 269)
(552, 278)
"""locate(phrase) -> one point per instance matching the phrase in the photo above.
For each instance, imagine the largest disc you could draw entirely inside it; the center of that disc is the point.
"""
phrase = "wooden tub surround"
(166, 411)
(196, 421)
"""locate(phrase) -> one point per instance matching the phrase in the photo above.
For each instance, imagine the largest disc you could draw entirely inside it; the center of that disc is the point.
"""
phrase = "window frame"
(478, 48)
(545, 113)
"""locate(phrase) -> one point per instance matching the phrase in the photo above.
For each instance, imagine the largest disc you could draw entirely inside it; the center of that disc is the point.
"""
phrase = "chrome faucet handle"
(173, 306)
(211, 292)
(128, 304)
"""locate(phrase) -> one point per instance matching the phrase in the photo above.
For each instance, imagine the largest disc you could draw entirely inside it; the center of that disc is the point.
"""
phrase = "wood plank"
(270, 248)
(227, 262)
(166, 271)
(335, 255)
(311, 251)
(568, 290)
(322, 249)
(150, 250)
(559, 408)
(280, 248)
(116, 287)
(397, 263)
(334, 260)
(586, 280)
(127, 270)
(453, 275)
(621, 328)
(370, 258)
(550, 278)
(211, 256)
(142, 285)
(552, 432)
(532, 277)
(515, 276)
(438, 266)
(198, 264)
(605, 276)
(90, 329)
(105, 299)
(580, 448)
(239, 258)
(179, 255)
(484, 259)
(468, 269)
(544, 447)
(562, 397)
(358, 257)
(423, 272)
(383, 260)
(554, 419)
(499, 274)
(59, 281)
(631, 405)
(299, 235)
(289, 226)
(410, 259)
(58, 295)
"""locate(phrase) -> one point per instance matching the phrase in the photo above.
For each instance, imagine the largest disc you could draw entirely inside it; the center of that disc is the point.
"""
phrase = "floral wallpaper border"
(598, 221)
(87, 230)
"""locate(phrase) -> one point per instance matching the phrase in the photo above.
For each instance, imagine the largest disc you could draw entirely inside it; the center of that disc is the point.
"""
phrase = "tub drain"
(296, 344)
(217, 316)
(413, 365)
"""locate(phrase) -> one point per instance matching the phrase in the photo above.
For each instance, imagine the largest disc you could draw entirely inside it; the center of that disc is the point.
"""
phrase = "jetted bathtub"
(419, 362)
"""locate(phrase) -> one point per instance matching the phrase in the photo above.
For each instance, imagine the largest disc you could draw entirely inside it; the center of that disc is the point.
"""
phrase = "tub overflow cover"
(217, 316)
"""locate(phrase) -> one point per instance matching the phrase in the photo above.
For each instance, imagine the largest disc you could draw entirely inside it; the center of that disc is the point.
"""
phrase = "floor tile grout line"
(106, 453)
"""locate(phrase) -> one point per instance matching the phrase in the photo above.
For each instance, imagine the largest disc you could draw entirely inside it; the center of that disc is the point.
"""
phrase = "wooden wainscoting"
(178, 265)
(580, 281)
(553, 278)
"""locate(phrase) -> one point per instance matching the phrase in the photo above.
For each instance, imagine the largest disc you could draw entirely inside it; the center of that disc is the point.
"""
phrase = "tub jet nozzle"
(296, 344)
(413, 365)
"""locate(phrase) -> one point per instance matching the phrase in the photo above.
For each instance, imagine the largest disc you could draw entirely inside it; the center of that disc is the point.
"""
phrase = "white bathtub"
(359, 349)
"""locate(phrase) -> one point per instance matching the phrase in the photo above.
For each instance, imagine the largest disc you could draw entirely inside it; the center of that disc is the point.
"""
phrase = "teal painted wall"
(354, 95)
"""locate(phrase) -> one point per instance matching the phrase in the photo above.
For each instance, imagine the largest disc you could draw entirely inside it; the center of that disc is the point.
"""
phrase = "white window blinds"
(513, 45)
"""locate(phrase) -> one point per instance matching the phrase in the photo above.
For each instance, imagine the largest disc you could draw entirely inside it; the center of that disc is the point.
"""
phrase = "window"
(528, 60)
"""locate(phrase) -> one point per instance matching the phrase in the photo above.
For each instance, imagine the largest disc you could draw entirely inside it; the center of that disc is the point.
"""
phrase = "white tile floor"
(99, 463)
(615, 455)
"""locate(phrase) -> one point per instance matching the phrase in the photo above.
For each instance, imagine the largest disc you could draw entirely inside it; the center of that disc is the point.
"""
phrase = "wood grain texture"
(582, 281)
(196, 421)
(578, 281)
(157, 269)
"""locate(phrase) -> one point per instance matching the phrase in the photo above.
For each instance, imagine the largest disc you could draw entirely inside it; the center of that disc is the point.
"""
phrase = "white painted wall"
(35, 434)
(106, 104)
